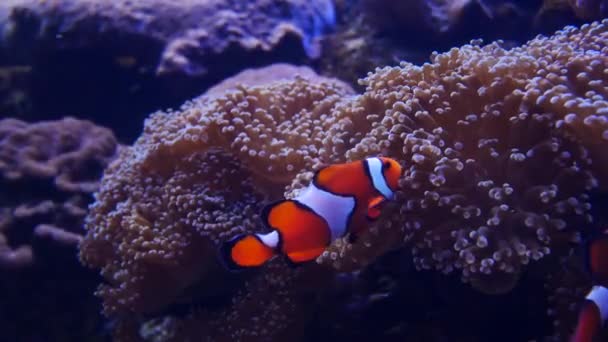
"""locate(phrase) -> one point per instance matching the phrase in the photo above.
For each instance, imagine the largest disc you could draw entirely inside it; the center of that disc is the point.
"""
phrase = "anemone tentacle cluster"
(501, 149)
(199, 176)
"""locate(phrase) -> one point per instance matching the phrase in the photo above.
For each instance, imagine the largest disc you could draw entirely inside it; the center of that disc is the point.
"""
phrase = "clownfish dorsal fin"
(277, 206)
(337, 178)
(326, 175)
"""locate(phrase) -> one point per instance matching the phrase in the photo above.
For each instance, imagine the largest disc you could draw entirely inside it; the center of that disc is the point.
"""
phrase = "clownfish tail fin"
(247, 250)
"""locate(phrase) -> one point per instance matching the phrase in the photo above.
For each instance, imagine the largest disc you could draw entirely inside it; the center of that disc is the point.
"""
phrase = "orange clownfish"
(594, 312)
(340, 200)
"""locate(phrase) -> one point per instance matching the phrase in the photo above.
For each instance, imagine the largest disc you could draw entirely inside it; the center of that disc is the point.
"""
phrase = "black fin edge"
(225, 251)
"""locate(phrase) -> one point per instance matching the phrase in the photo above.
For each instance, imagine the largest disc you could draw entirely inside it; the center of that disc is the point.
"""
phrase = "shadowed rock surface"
(116, 61)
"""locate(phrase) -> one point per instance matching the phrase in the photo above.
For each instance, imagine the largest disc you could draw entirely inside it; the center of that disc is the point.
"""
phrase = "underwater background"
(138, 136)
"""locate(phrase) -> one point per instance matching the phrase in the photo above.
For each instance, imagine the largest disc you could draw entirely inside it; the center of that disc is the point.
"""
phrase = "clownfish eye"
(386, 165)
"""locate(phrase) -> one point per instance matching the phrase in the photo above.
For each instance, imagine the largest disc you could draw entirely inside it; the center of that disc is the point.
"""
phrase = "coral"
(272, 307)
(198, 177)
(375, 33)
(566, 286)
(116, 59)
(13, 90)
(268, 74)
(369, 305)
(190, 31)
(48, 171)
(498, 147)
(589, 9)
(429, 17)
(356, 46)
(454, 20)
(51, 170)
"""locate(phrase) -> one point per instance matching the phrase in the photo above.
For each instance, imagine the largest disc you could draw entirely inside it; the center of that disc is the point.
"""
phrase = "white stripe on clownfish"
(334, 209)
(270, 239)
(374, 166)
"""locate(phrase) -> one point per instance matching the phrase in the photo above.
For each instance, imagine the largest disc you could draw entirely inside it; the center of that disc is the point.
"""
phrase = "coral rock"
(144, 54)
(190, 31)
(51, 170)
(48, 172)
(590, 9)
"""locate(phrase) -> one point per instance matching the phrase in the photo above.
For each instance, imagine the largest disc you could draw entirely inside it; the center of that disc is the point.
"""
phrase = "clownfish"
(594, 312)
(341, 199)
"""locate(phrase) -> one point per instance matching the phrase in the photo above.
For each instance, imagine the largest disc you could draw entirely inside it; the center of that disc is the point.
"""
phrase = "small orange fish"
(342, 199)
(594, 312)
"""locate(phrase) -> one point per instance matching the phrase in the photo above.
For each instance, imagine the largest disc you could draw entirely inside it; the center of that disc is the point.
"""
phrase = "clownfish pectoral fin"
(374, 207)
(244, 251)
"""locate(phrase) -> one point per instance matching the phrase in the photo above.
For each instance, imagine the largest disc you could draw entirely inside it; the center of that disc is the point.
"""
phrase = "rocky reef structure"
(51, 170)
(48, 173)
(14, 84)
(501, 148)
(162, 50)
(375, 33)
(586, 9)
(205, 27)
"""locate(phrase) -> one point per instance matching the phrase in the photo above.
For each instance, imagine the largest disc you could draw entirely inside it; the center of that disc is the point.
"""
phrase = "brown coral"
(428, 17)
(497, 174)
(195, 179)
(48, 171)
(588, 9)
(566, 286)
(112, 60)
(191, 32)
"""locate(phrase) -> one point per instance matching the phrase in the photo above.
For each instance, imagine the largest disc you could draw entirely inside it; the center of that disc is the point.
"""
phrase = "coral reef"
(48, 172)
(566, 286)
(375, 33)
(356, 46)
(501, 149)
(428, 17)
(13, 90)
(588, 9)
(194, 179)
(190, 32)
(389, 300)
(117, 59)
(64, 159)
